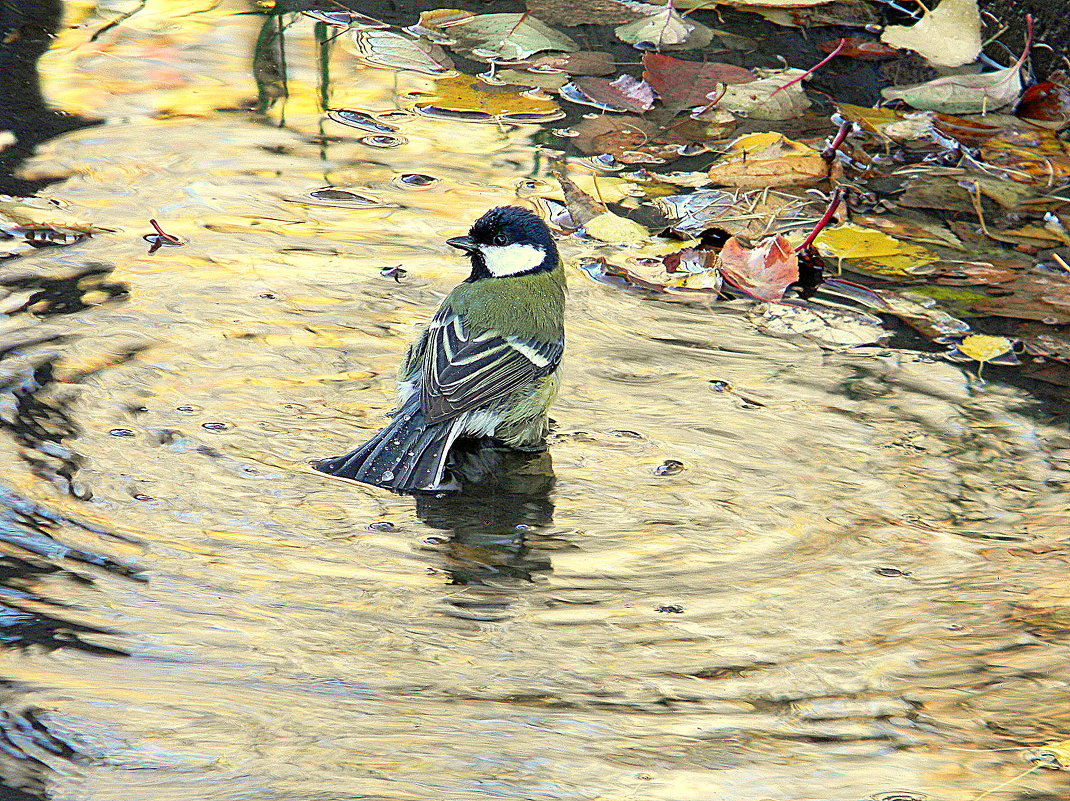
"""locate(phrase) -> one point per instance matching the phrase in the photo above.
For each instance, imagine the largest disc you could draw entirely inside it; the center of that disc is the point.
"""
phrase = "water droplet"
(387, 476)
(415, 180)
(188, 408)
(215, 426)
(436, 539)
(383, 141)
(567, 133)
(121, 432)
(140, 497)
(382, 525)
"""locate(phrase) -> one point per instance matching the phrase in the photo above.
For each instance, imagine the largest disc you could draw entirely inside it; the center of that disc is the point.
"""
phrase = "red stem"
(820, 64)
(163, 234)
(837, 196)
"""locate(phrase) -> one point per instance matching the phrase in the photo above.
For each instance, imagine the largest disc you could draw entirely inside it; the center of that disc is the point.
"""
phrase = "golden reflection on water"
(825, 602)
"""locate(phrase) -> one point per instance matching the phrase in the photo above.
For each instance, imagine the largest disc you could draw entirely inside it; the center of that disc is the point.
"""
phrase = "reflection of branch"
(119, 20)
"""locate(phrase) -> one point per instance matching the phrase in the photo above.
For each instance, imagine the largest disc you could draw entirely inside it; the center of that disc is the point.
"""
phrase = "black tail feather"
(406, 456)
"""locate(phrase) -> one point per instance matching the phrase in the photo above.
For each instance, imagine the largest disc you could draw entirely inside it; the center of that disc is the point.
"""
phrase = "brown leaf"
(764, 272)
(1029, 155)
(585, 62)
(1044, 101)
(858, 48)
(768, 159)
(622, 94)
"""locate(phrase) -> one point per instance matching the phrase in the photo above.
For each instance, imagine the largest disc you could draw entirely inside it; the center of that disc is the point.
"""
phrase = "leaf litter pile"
(827, 166)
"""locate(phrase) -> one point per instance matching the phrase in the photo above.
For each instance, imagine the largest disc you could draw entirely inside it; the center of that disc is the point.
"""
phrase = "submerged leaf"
(610, 227)
(507, 37)
(464, 94)
(873, 251)
(665, 29)
(394, 51)
(681, 84)
(773, 96)
(623, 94)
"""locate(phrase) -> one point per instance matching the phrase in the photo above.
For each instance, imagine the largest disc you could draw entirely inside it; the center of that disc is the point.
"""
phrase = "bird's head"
(508, 240)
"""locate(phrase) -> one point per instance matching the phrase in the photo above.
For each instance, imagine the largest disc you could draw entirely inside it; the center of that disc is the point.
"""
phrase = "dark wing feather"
(463, 371)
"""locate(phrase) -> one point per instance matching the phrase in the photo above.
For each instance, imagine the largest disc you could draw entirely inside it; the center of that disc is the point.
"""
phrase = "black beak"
(465, 243)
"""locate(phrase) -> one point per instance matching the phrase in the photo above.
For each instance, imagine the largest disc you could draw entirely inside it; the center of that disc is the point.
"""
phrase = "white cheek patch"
(504, 260)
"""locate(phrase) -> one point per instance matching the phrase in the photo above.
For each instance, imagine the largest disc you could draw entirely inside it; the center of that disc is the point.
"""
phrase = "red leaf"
(764, 272)
(1045, 101)
(682, 83)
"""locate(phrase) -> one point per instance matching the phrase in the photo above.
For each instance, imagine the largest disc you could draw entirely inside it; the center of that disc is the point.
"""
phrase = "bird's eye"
(501, 239)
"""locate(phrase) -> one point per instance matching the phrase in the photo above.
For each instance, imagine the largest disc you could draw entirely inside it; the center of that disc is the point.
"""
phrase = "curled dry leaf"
(767, 160)
(681, 84)
(763, 272)
(772, 97)
(949, 35)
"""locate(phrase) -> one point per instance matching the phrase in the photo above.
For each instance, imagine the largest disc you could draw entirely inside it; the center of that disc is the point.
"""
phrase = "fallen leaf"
(682, 84)
(1045, 101)
(622, 94)
(508, 37)
(967, 94)
(984, 348)
(948, 35)
(610, 227)
(1029, 154)
(889, 123)
(763, 272)
(853, 13)
(873, 251)
(666, 29)
(464, 93)
(584, 62)
(391, 50)
(830, 327)
(769, 98)
(595, 12)
(769, 159)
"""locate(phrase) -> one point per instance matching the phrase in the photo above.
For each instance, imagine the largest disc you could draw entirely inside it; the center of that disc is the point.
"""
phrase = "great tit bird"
(486, 365)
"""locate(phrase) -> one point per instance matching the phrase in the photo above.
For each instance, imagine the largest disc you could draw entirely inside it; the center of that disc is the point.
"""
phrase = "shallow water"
(846, 591)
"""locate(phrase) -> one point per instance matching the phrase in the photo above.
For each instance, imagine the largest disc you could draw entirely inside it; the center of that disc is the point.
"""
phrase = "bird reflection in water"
(504, 498)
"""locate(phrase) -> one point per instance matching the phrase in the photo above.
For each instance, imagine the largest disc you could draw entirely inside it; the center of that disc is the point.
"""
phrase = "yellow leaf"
(465, 93)
(873, 251)
(760, 160)
(983, 348)
(609, 227)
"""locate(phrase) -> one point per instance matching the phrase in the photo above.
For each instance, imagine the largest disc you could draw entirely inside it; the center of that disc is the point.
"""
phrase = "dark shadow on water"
(505, 497)
(26, 30)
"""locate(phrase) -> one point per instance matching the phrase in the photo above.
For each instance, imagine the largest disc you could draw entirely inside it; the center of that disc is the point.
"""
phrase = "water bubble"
(122, 432)
(719, 385)
(890, 572)
(387, 475)
(140, 497)
(188, 408)
(345, 198)
(383, 141)
(415, 180)
(267, 296)
(361, 120)
(381, 525)
(669, 467)
(214, 426)
(674, 609)
(567, 133)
